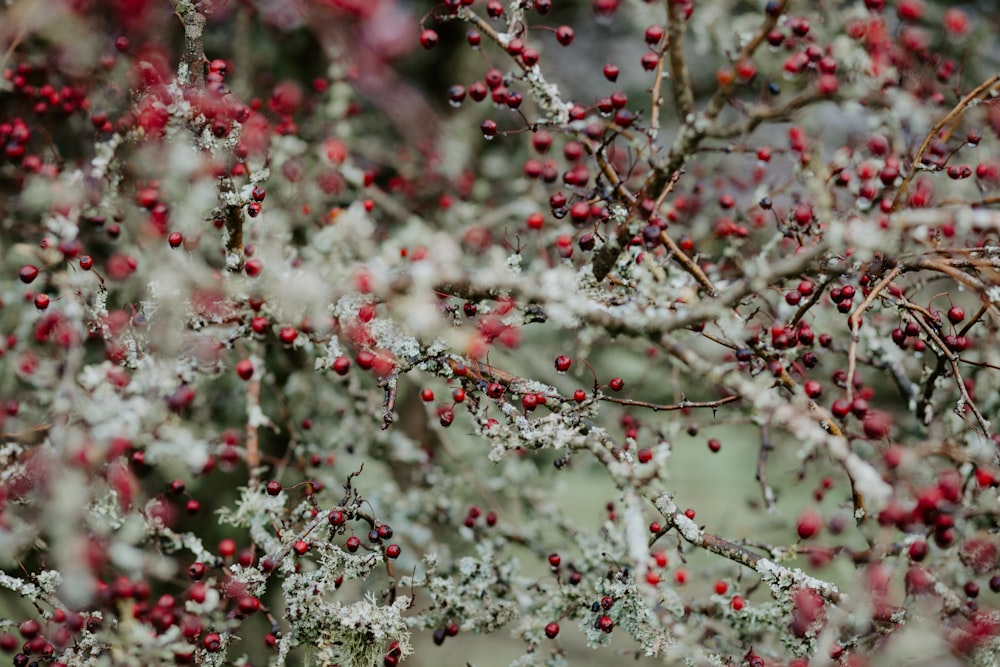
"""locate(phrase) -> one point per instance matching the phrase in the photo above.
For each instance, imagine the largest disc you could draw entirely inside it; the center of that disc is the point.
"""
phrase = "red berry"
(428, 39)
(245, 369)
(392, 551)
(175, 239)
(253, 267)
(611, 72)
(27, 273)
(364, 359)
(605, 624)
(212, 642)
(910, 10)
(564, 35)
(737, 603)
(645, 455)
(427, 395)
(551, 630)
(341, 365)
(227, 547)
(273, 488)
(809, 524)
(746, 69)
(714, 445)
(563, 363)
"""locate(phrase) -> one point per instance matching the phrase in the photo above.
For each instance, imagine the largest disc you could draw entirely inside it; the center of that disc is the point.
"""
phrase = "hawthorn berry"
(341, 365)
(563, 363)
(551, 630)
(564, 35)
(28, 273)
(714, 445)
(809, 524)
(364, 359)
(244, 369)
(273, 488)
(428, 38)
(212, 642)
(253, 267)
(227, 547)
(605, 624)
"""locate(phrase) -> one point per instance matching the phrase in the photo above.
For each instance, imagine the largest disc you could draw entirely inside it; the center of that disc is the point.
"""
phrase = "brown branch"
(854, 323)
(654, 112)
(689, 265)
(949, 358)
(682, 405)
(958, 109)
(738, 553)
(192, 72)
(779, 113)
(683, 91)
(390, 383)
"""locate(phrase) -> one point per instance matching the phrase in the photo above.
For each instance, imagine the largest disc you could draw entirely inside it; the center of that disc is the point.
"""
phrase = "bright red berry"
(244, 369)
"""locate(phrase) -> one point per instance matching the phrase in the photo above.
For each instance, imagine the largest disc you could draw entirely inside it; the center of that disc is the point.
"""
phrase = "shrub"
(304, 340)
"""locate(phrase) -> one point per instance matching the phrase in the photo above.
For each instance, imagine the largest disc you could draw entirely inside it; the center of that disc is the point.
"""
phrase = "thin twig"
(765, 449)
(657, 100)
(390, 383)
(689, 265)
(681, 405)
